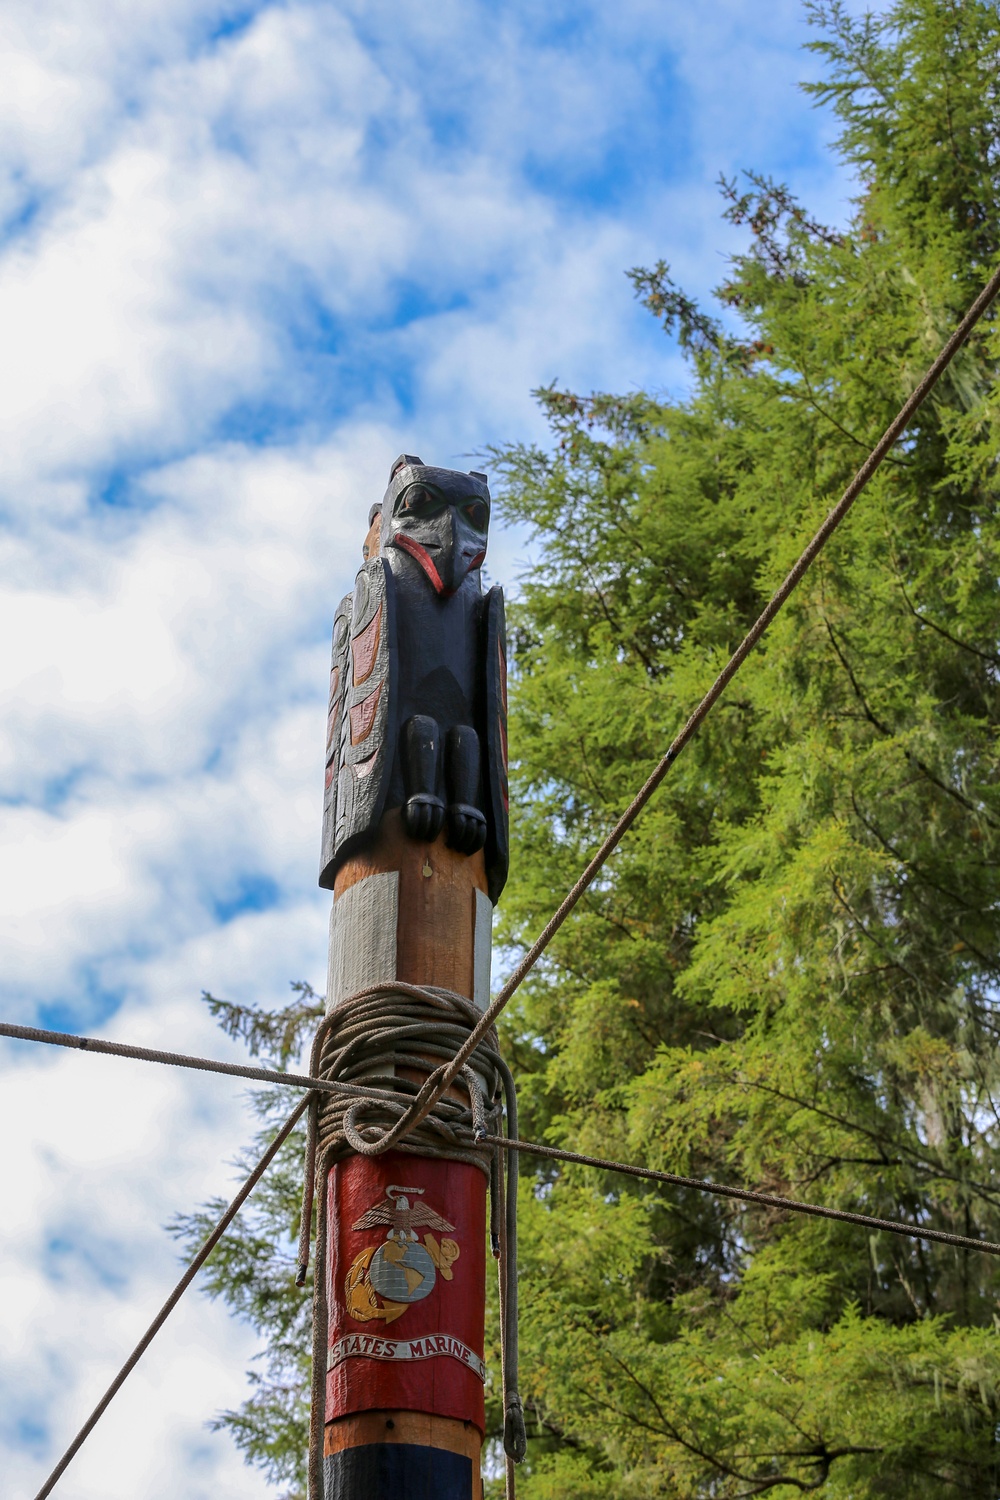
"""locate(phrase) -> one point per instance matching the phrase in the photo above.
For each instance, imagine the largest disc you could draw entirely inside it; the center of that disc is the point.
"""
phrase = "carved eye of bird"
(477, 513)
(420, 500)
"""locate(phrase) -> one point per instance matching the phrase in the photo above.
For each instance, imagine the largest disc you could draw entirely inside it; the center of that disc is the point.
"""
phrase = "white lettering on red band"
(370, 1346)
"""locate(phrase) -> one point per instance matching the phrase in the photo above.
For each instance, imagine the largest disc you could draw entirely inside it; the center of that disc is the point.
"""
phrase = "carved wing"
(421, 1214)
(334, 731)
(495, 743)
(382, 1213)
(367, 725)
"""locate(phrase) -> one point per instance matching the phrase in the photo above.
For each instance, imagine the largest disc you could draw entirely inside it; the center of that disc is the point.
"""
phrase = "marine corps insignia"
(384, 1280)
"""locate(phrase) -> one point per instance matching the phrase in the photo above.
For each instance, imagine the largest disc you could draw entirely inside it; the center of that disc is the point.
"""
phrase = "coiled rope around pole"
(501, 1142)
(374, 1035)
(507, 1143)
(510, 1144)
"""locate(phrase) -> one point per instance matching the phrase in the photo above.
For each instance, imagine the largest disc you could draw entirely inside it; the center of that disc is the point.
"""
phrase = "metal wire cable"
(746, 1195)
(193, 1268)
(380, 1097)
(441, 1080)
(184, 1060)
(506, 1143)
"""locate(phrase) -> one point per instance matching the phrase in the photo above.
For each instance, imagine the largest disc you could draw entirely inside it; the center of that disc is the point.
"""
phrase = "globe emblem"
(402, 1271)
(383, 1281)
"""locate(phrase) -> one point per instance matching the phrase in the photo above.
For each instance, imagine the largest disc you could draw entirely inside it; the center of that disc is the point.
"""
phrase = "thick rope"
(506, 1349)
(369, 1036)
(746, 1195)
(294, 1080)
(500, 1143)
(374, 1035)
(177, 1060)
(193, 1268)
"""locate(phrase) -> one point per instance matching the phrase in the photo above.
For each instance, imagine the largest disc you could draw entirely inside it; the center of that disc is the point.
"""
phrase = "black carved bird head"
(440, 517)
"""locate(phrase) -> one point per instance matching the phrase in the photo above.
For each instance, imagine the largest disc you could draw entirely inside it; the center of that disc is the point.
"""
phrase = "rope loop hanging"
(374, 1039)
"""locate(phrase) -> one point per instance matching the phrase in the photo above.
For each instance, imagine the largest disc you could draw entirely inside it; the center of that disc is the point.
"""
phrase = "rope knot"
(515, 1436)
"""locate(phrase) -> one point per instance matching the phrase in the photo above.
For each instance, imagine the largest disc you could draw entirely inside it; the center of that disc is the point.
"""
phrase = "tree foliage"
(253, 1268)
(788, 974)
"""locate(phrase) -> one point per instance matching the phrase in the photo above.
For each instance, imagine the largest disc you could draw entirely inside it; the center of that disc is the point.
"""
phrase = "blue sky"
(249, 253)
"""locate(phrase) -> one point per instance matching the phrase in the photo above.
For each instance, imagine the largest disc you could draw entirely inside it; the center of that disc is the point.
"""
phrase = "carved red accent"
(425, 560)
(364, 768)
(364, 648)
(363, 716)
(330, 771)
(451, 1317)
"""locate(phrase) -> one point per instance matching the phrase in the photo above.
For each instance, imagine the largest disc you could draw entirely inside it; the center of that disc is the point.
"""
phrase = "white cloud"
(85, 1264)
(247, 261)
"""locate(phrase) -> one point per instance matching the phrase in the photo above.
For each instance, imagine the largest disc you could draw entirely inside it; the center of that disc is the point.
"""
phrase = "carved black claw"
(423, 810)
(423, 817)
(466, 828)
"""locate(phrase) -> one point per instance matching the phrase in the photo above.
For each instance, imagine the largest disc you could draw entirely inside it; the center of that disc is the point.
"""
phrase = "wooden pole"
(410, 1424)
(406, 1257)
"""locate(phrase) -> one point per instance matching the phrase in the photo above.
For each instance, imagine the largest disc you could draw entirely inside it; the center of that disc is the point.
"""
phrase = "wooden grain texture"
(363, 937)
(421, 1429)
(404, 1383)
(436, 918)
(417, 1345)
(435, 1401)
(483, 948)
(397, 1426)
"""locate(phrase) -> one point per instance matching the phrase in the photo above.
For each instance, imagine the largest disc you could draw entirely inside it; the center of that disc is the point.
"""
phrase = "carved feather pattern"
(403, 1218)
(364, 648)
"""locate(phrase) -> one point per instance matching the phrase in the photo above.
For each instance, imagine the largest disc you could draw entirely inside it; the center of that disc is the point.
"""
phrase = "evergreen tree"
(788, 974)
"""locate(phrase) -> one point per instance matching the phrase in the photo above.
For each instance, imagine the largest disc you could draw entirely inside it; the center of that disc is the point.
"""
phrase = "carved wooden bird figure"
(418, 694)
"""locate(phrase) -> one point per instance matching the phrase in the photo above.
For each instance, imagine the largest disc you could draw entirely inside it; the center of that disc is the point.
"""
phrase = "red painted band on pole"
(405, 1288)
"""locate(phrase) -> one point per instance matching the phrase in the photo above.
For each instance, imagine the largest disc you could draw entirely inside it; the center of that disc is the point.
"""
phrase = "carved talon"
(423, 816)
(466, 828)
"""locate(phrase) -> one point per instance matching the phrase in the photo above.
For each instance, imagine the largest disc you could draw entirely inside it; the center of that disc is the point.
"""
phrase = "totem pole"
(415, 852)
